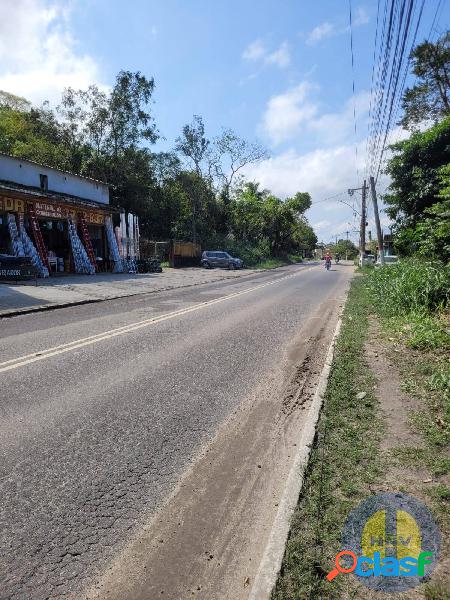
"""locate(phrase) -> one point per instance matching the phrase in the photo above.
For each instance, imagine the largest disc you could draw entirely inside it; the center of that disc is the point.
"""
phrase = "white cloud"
(320, 32)
(257, 52)
(289, 114)
(281, 57)
(322, 172)
(327, 29)
(319, 226)
(39, 56)
(334, 128)
(286, 112)
(254, 51)
(361, 17)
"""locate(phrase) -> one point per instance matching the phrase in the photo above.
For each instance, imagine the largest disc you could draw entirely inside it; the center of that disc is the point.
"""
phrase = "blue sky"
(276, 70)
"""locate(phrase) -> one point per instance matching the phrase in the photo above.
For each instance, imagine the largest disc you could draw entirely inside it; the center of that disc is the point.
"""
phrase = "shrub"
(410, 286)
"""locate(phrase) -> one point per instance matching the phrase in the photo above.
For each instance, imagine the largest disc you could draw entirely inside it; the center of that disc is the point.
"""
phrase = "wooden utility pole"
(362, 240)
(346, 247)
(377, 220)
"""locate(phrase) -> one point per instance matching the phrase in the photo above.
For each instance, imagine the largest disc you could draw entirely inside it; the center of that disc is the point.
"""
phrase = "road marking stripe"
(21, 361)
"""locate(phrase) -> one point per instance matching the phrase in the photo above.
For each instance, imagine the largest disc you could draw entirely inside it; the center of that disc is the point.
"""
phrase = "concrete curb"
(6, 314)
(270, 564)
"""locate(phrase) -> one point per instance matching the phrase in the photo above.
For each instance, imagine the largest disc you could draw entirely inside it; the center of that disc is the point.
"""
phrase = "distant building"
(52, 209)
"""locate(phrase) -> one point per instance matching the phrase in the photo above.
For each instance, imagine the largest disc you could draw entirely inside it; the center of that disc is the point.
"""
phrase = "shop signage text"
(11, 205)
(50, 210)
(60, 211)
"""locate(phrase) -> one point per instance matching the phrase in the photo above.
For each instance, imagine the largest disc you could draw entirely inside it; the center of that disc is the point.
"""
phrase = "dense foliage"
(412, 285)
(419, 198)
(195, 192)
(429, 98)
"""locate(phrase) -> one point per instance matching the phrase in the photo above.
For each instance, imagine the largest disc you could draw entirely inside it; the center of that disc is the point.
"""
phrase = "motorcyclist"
(337, 258)
(327, 258)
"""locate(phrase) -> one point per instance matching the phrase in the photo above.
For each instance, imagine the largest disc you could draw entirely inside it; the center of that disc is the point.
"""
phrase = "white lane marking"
(21, 361)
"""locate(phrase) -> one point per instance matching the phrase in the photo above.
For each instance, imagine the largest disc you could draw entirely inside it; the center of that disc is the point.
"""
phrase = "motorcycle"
(328, 265)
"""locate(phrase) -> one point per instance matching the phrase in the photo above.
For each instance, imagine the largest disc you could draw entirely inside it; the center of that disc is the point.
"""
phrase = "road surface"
(145, 441)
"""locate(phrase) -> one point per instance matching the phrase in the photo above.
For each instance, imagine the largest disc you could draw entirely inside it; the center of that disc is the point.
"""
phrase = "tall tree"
(232, 155)
(417, 198)
(429, 98)
(193, 145)
(14, 102)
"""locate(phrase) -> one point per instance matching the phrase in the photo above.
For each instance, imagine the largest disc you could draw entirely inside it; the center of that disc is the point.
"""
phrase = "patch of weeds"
(432, 428)
(344, 464)
(440, 498)
(441, 492)
(436, 591)
(419, 331)
(427, 332)
(410, 456)
(439, 381)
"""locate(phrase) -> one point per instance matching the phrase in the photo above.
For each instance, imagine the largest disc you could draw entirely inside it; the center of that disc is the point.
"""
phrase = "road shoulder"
(373, 436)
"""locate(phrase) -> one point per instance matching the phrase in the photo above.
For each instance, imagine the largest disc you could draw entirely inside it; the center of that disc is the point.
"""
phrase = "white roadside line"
(21, 361)
(272, 558)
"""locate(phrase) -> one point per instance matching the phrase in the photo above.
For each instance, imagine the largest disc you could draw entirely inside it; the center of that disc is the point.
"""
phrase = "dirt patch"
(400, 437)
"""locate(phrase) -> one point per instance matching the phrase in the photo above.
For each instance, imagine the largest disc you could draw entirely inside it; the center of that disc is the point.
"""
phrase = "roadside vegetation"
(344, 462)
(400, 313)
(409, 301)
(412, 300)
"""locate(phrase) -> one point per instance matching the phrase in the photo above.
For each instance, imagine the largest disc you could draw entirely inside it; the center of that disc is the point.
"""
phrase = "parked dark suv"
(220, 259)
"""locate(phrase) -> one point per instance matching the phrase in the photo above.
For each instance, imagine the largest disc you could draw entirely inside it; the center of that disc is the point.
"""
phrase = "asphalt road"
(96, 432)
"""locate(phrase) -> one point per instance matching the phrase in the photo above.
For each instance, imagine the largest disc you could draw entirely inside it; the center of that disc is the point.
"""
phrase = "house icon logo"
(390, 542)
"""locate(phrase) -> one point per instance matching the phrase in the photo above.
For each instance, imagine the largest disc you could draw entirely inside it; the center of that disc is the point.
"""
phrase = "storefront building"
(59, 218)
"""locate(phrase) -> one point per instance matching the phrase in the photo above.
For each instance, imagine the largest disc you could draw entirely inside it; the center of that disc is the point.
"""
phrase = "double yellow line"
(22, 361)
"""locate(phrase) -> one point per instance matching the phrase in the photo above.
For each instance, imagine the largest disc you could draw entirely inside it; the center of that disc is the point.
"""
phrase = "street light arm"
(349, 205)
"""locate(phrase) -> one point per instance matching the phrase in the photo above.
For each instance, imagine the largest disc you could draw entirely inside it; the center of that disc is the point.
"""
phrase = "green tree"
(259, 218)
(418, 198)
(231, 155)
(8, 100)
(429, 98)
(193, 145)
(33, 134)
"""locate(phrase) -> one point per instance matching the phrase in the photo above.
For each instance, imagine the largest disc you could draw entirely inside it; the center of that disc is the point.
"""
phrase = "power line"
(353, 86)
(329, 198)
(400, 19)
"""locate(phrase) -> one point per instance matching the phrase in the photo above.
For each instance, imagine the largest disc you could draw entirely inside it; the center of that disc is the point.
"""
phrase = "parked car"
(367, 259)
(218, 258)
(388, 260)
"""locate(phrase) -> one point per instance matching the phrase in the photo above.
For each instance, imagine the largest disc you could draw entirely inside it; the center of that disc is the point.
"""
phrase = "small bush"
(410, 286)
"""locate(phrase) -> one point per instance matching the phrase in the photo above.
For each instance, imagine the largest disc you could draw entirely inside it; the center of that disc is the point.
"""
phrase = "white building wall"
(27, 173)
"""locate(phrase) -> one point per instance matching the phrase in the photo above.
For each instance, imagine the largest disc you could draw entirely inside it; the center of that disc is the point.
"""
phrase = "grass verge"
(346, 464)
(343, 465)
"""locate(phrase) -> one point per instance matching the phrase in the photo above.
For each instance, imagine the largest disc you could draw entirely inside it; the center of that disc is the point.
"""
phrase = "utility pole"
(362, 234)
(362, 241)
(346, 247)
(377, 220)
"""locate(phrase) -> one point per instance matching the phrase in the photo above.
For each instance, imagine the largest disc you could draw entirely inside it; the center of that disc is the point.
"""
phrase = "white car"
(388, 260)
(367, 259)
